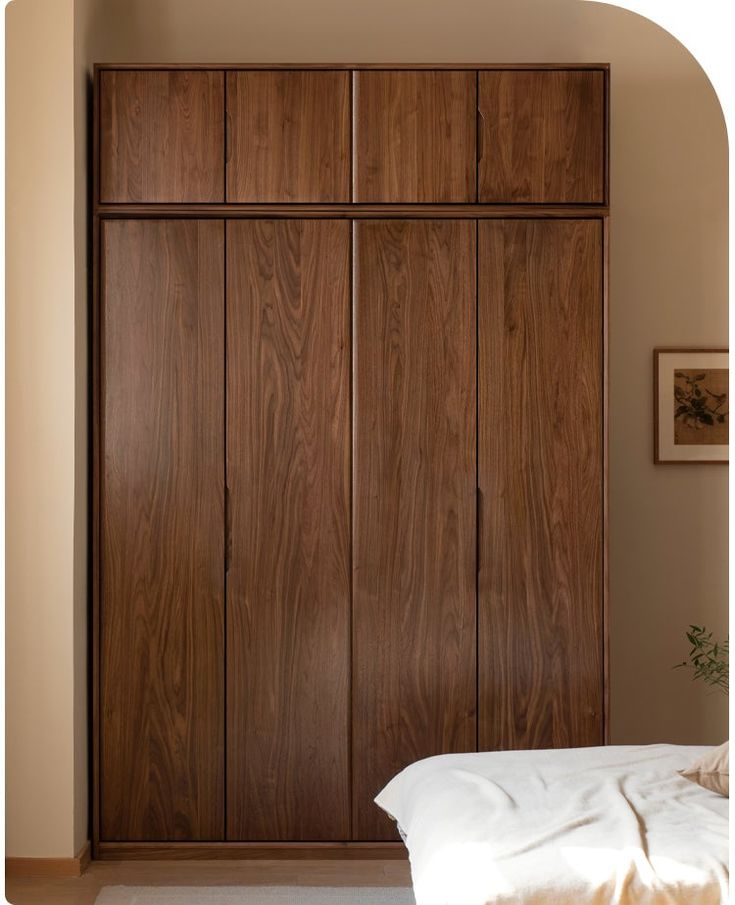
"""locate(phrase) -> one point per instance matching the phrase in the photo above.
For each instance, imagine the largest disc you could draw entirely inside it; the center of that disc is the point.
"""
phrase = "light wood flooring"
(83, 890)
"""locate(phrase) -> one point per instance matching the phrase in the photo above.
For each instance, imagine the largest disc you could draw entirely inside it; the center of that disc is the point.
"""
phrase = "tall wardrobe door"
(288, 585)
(540, 477)
(414, 677)
(162, 531)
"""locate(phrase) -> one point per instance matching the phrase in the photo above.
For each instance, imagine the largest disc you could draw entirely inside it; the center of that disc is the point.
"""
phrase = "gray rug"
(255, 895)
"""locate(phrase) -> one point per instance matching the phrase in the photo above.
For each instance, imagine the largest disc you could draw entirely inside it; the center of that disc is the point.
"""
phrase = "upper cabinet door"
(289, 136)
(542, 136)
(161, 136)
(415, 136)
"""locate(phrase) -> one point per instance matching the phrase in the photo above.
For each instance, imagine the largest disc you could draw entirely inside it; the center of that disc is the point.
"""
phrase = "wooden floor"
(83, 890)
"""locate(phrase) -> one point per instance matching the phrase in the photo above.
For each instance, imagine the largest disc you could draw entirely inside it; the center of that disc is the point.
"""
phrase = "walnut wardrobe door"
(540, 433)
(162, 136)
(542, 136)
(162, 531)
(289, 136)
(414, 491)
(288, 584)
(415, 136)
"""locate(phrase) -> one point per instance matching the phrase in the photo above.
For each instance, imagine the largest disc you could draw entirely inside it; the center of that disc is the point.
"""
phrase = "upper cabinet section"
(511, 135)
(288, 136)
(162, 136)
(414, 136)
(542, 136)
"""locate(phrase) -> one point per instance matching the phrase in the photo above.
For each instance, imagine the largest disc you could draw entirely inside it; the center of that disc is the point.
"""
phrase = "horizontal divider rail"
(353, 211)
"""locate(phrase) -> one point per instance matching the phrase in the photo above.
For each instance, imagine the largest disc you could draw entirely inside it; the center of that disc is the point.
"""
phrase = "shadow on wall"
(135, 23)
(144, 31)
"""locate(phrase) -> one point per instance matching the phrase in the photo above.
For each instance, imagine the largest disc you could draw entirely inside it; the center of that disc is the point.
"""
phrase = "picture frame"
(691, 406)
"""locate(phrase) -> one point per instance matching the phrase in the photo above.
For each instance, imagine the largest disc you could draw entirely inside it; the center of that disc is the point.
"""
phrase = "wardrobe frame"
(349, 850)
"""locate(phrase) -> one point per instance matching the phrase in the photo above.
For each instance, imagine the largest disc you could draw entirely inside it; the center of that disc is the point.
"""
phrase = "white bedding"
(578, 826)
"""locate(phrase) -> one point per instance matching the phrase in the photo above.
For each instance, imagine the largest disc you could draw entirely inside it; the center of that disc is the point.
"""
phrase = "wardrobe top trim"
(99, 67)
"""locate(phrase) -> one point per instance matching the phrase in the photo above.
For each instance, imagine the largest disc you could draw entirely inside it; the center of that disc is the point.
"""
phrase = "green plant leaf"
(708, 658)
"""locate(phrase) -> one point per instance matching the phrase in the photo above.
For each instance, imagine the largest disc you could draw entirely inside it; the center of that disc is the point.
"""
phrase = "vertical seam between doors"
(478, 499)
(225, 296)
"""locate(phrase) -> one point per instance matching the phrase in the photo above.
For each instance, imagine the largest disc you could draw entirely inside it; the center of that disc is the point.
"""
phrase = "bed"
(614, 825)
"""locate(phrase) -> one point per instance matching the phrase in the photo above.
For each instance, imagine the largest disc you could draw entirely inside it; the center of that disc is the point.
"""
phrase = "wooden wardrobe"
(349, 440)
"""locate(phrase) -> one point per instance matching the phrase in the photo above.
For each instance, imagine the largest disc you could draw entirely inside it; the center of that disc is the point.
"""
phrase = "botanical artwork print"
(701, 407)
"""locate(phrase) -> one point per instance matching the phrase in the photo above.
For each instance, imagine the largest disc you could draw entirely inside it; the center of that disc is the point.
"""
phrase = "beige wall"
(82, 277)
(45, 580)
(668, 286)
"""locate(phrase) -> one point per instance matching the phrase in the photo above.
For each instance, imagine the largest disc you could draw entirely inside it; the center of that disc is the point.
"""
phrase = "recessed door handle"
(478, 519)
(228, 136)
(480, 131)
(228, 530)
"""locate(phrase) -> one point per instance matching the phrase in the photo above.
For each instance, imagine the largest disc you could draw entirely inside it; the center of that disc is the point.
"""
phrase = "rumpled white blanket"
(579, 826)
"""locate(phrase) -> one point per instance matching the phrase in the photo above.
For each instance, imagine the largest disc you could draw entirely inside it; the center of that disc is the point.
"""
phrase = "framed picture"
(691, 406)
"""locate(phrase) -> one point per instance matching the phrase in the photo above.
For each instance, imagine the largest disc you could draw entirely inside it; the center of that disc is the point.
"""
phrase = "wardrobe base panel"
(267, 851)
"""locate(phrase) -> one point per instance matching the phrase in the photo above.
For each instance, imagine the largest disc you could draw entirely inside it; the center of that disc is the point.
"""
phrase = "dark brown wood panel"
(162, 524)
(414, 136)
(289, 136)
(540, 604)
(357, 211)
(288, 471)
(414, 502)
(542, 136)
(252, 851)
(162, 136)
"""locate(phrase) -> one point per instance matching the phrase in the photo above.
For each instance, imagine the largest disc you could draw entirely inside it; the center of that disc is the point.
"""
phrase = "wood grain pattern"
(414, 136)
(413, 502)
(288, 470)
(162, 136)
(290, 136)
(540, 428)
(162, 607)
(543, 136)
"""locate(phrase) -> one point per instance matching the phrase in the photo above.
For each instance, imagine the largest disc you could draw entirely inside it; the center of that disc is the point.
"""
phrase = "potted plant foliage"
(708, 659)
